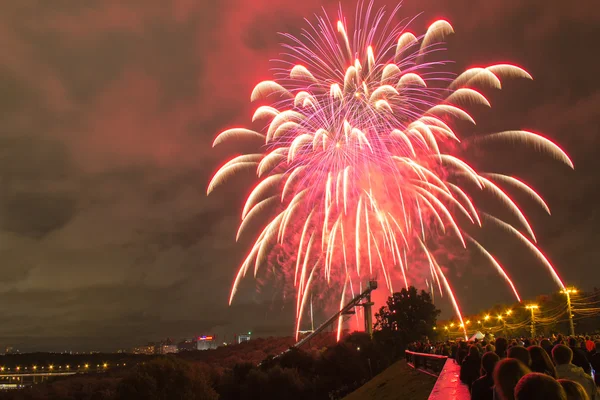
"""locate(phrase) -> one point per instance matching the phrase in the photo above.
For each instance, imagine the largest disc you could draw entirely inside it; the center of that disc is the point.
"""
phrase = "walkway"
(448, 384)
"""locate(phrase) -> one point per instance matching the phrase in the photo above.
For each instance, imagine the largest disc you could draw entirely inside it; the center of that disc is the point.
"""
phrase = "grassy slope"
(399, 381)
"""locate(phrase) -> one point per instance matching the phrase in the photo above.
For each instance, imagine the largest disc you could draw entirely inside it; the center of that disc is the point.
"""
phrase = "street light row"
(485, 319)
(52, 367)
(531, 307)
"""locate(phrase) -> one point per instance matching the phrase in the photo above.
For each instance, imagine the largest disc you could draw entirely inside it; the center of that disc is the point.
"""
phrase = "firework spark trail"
(358, 163)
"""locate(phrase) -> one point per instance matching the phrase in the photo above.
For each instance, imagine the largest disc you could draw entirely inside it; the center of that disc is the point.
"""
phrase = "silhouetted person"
(536, 386)
(507, 374)
(501, 346)
(482, 388)
(520, 353)
(573, 390)
(469, 369)
(547, 345)
(563, 356)
(579, 356)
(595, 361)
(541, 361)
(462, 352)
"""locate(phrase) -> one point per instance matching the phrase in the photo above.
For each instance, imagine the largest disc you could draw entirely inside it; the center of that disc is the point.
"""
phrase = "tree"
(407, 317)
(166, 378)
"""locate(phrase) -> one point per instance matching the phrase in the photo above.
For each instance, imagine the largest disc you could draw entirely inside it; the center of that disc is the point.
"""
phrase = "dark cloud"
(108, 110)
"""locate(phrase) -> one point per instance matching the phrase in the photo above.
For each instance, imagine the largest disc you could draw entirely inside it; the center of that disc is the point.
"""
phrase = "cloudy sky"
(108, 109)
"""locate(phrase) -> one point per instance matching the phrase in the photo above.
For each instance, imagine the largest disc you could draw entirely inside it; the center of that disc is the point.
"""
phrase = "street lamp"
(532, 308)
(568, 292)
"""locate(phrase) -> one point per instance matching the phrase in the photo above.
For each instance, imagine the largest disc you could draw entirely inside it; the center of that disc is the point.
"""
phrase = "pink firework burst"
(357, 167)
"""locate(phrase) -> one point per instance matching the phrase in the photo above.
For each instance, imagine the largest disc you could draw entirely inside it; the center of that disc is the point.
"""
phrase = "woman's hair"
(507, 374)
(536, 386)
(541, 362)
(488, 362)
(574, 390)
(473, 351)
(520, 353)
(501, 346)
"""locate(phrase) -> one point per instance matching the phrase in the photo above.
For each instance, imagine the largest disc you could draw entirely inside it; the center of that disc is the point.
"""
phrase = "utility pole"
(568, 292)
(532, 308)
(503, 326)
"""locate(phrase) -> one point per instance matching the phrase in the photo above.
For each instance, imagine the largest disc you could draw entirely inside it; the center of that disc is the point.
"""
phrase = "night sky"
(108, 109)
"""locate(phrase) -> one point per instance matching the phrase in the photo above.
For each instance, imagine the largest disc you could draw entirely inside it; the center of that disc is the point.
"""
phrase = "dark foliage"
(164, 379)
(408, 316)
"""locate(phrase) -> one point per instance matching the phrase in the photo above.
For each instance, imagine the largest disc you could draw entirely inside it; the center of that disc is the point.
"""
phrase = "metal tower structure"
(357, 301)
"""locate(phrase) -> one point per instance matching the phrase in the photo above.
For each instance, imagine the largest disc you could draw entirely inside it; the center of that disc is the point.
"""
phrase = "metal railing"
(430, 363)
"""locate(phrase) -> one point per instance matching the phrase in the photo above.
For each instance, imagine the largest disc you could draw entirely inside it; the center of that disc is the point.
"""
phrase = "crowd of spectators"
(561, 368)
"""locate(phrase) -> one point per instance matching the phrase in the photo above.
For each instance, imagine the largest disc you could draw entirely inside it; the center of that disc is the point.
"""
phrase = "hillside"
(399, 381)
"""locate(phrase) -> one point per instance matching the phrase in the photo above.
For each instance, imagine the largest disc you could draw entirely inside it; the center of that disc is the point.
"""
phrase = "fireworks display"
(359, 167)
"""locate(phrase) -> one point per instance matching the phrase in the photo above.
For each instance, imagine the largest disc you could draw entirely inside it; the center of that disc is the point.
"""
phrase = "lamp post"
(532, 308)
(568, 293)
(508, 314)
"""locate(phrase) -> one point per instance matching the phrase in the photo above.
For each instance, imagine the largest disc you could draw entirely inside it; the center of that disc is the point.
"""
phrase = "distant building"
(168, 349)
(207, 342)
(187, 345)
(149, 349)
(244, 337)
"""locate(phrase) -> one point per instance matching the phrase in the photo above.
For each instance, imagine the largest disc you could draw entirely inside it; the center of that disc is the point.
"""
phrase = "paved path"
(448, 385)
